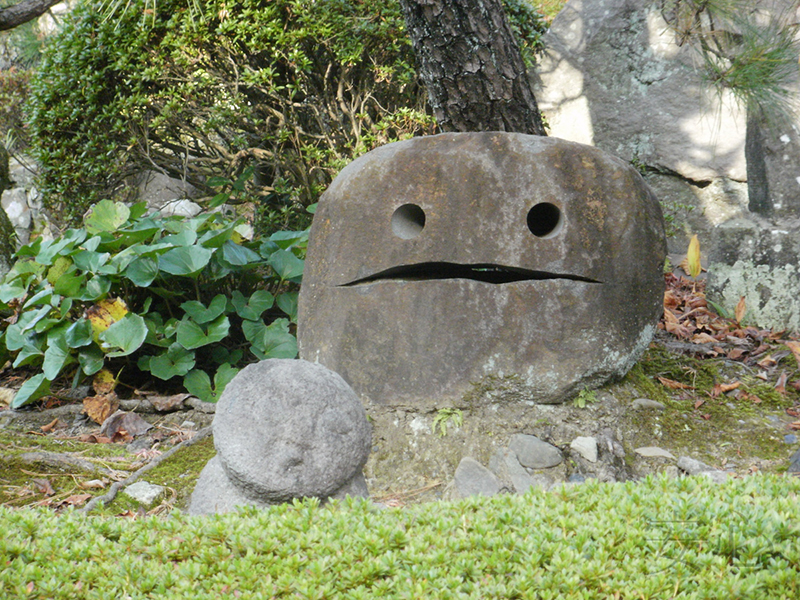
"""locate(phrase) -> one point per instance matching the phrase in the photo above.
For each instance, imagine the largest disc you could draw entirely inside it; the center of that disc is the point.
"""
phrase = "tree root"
(108, 497)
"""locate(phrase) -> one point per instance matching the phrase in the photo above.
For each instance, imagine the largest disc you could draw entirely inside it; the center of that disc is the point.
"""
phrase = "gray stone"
(144, 493)
(647, 404)
(715, 476)
(506, 466)
(534, 453)
(794, 463)
(616, 77)
(287, 429)
(160, 191)
(473, 479)
(692, 466)
(215, 493)
(653, 451)
(586, 447)
(790, 438)
(15, 203)
(444, 266)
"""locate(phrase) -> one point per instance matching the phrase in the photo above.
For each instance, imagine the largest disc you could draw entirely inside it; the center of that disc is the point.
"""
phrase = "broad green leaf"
(33, 389)
(175, 361)
(200, 314)
(79, 334)
(60, 266)
(70, 284)
(220, 354)
(215, 238)
(137, 210)
(252, 308)
(91, 359)
(29, 353)
(185, 261)
(89, 261)
(39, 298)
(107, 216)
(97, 287)
(53, 248)
(190, 335)
(57, 354)
(127, 335)
(237, 255)
(186, 237)
(287, 302)
(198, 383)
(12, 291)
(142, 271)
(273, 341)
(268, 248)
(286, 265)
(287, 239)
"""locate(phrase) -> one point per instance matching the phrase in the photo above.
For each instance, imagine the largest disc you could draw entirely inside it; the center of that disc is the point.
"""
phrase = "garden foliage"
(175, 297)
(296, 89)
(655, 539)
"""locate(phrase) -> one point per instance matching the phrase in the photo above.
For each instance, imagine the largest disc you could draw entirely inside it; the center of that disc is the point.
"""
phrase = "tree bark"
(24, 11)
(471, 65)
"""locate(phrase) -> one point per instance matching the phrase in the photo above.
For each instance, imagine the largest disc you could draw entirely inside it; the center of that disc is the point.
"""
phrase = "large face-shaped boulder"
(443, 268)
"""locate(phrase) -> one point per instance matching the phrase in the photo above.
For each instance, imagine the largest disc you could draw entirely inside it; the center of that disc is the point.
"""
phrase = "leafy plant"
(584, 397)
(445, 416)
(293, 89)
(173, 297)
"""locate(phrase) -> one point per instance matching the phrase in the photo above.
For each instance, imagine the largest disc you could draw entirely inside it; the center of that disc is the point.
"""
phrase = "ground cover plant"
(186, 299)
(659, 538)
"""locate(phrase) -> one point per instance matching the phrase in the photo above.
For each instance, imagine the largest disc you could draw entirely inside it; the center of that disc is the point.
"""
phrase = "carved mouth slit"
(487, 273)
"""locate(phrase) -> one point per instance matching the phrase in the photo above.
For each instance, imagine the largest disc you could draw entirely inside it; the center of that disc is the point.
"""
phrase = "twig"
(108, 497)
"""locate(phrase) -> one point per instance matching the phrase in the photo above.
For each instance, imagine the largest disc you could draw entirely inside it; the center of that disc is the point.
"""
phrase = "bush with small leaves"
(178, 298)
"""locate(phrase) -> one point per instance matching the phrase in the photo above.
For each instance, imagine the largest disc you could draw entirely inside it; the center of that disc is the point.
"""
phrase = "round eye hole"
(544, 220)
(408, 221)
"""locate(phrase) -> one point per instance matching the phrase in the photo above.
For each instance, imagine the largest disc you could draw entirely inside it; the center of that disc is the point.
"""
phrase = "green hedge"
(295, 88)
(658, 538)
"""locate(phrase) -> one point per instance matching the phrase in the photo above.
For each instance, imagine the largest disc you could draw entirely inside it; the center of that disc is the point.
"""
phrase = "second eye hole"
(408, 221)
(544, 220)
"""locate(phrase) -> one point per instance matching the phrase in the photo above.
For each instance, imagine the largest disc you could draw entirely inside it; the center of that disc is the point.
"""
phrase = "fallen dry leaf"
(740, 310)
(53, 425)
(698, 403)
(43, 486)
(736, 354)
(92, 438)
(724, 388)
(767, 362)
(703, 338)
(674, 385)
(167, 403)
(7, 395)
(93, 484)
(693, 257)
(780, 385)
(793, 412)
(101, 407)
(706, 417)
(129, 423)
(794, 426)
(103, 382)
(75, 500)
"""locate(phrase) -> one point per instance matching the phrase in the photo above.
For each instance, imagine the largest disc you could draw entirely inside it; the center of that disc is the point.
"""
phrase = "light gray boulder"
(534, 453)
(284, 429)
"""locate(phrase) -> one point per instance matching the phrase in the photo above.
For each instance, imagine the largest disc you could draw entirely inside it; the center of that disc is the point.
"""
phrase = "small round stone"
(288, 429)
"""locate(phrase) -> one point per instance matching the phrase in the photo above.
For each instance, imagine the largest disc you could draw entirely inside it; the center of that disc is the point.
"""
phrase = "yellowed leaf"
(741, 309)
(105, 313)
(693, 257)
(104, 382)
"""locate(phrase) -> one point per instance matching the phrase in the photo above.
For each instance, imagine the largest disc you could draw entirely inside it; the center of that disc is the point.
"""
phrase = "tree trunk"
(471, 65)
(24, 11)
(757, 182)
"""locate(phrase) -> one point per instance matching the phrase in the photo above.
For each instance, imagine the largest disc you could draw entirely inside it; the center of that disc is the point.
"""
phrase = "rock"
(692, 466)
(794, 463)
(576, 478)
(715, 476)
(615, 76)
(586, 447)
(534, 453)
(647, 404)
(473, 479)
(653, 451)
(144, 493)
(506, 466)
(166, 194)
(286, 429)
(790, 438)
(472, 267)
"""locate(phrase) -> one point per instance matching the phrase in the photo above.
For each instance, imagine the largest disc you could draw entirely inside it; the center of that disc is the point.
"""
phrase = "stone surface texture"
(285, 429)
(392, 298)
(144, 493)
(533, 453)
(615, 77)
(473, 479)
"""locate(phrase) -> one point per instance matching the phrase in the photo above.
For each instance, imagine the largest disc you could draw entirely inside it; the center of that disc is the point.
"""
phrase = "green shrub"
(655, 539)
(294, 88)
(175, 297)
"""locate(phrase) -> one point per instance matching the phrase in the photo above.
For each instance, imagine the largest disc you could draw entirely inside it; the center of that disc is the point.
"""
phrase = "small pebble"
(790, 438)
